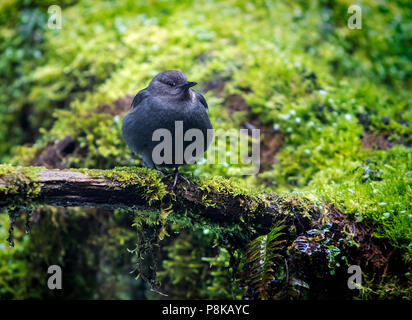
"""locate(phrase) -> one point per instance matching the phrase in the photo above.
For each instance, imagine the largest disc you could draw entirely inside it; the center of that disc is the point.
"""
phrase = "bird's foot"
(177, 175)
(159, 171)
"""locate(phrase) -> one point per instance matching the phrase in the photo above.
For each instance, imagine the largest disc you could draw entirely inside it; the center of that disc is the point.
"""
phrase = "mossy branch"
(216, 201)
(129, 187)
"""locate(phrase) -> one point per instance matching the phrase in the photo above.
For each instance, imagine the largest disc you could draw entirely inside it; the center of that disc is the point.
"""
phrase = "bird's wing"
(201, 99)
(140, 96)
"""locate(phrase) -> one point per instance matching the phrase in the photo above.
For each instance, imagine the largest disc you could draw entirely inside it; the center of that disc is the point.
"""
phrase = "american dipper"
(167, 103)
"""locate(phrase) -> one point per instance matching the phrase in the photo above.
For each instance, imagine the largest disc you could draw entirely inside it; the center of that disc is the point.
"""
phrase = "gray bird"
(167, 101)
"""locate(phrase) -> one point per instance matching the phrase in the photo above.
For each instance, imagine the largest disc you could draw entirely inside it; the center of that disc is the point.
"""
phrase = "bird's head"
(171, 83)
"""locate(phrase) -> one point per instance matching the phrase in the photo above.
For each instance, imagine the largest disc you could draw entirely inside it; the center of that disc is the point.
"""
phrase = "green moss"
(248, 198)
(13, 262)
(144, 180)
(390, 287)
(20, 181)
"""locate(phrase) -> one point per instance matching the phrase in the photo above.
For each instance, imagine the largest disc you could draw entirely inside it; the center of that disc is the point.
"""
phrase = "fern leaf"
(262, 256)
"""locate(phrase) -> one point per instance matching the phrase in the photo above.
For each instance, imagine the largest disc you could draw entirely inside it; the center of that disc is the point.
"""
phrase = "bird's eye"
(168, 82)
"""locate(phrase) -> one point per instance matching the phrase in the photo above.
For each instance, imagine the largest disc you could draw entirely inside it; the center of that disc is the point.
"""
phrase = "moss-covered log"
(217, 199)
(316, 234)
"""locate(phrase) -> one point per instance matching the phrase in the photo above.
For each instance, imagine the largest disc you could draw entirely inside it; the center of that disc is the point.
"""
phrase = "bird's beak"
(189, 84)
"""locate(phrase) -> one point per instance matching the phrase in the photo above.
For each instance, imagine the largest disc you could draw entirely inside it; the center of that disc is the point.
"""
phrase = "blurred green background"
(333, 105)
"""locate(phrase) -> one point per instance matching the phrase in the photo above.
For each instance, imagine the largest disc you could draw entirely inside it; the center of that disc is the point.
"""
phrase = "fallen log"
(313, 226)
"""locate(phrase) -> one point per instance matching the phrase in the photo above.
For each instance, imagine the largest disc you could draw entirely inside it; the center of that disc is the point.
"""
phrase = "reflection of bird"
(167, 99)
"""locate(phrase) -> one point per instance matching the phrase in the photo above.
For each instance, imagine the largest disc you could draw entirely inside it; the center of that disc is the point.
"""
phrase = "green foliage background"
(297, 66)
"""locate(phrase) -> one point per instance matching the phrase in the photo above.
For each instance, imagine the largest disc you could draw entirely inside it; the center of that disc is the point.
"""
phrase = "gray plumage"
(167, 99)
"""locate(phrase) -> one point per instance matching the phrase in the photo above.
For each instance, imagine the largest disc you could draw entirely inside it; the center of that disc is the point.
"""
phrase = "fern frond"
(262, 256)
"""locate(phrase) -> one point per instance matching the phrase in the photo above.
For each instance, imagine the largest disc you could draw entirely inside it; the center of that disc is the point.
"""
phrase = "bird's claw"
(159, 171)
(177, 175)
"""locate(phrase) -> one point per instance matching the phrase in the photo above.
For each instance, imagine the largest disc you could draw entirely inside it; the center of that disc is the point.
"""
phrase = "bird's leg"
(158, 170)
(186, 180)
(177, 175)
